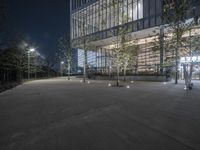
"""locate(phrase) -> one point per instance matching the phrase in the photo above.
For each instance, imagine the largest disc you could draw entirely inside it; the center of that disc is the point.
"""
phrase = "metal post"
(28, 65)
(69, 70)
(61, 70)
(35, 70)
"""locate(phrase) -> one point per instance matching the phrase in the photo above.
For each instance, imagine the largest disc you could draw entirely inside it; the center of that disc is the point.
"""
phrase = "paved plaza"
(58, 114)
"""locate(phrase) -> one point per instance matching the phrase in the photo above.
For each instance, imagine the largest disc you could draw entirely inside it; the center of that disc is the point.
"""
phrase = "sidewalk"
(70, 115)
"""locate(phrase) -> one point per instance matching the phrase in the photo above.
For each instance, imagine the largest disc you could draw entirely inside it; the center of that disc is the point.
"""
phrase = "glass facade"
(91, 58)
(105, 14)
(99, 17)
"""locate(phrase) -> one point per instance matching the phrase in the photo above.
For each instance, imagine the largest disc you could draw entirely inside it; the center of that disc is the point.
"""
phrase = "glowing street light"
(32, 50)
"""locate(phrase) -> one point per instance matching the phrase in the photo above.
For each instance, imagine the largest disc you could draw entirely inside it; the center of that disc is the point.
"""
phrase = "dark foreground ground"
(58, 114)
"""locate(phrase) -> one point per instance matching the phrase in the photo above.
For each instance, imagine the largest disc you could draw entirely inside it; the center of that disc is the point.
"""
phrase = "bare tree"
(174, 14)
(51, 60)
(192, 46)
(123, 50)
(66, 52)
(84, 42)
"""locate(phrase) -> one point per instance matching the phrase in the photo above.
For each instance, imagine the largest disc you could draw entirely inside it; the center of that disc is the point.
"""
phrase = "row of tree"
(18, 62)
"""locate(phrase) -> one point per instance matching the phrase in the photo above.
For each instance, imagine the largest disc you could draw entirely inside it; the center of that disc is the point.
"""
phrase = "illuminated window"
(140, 9)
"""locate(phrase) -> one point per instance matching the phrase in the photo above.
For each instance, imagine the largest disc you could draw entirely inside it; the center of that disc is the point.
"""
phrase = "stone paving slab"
(70, 115)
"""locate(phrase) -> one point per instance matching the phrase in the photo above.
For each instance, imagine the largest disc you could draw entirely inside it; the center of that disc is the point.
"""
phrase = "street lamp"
(61, 68)
(68, 68)
(32, 50)
(29, 51)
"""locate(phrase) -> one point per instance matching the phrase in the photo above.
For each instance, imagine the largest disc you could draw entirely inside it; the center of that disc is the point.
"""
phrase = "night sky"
(42, 21)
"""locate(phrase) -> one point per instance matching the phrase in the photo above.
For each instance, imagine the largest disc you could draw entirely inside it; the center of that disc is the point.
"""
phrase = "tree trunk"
(109, 73)
(35, 75)
(176, 65)
(190, 76)
(161, 49)
(35, 72)
(4, 75)
(84, 73)
(124, 74)
(48, 72)
(136, 66)
(21, 71)
(69, 71)
(117, 75)
(84, 68)
(185, 75)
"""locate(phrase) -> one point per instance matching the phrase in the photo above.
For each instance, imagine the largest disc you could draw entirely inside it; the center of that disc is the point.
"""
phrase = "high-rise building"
(101, 20)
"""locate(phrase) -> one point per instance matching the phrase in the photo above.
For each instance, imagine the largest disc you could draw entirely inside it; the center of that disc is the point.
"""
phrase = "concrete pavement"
(69, 115)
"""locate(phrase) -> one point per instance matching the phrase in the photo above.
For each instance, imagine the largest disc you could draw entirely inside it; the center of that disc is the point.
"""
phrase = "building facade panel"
(104, 15)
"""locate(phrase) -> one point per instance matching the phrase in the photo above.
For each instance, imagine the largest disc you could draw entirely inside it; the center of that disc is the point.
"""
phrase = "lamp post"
(61, 68)
(69, 68)
(29, 51)
(35, 69)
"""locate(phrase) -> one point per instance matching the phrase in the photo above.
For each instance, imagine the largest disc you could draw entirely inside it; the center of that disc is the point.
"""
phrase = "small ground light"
(81, 81)
(109, 84)
(185, 88)
(128, 87)
(88, 82)
(164, 83)
(132, 81)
